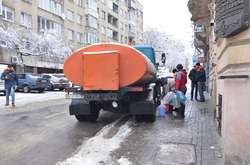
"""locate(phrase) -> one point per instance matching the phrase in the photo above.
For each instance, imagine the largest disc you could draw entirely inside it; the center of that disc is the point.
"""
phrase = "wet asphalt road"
(42, 134)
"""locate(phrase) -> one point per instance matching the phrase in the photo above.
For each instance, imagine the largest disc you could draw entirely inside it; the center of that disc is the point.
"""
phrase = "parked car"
(2, 90)
(57, 81)
(28, 82)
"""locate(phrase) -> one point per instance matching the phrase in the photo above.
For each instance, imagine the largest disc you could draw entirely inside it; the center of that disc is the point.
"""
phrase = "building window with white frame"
(70, 15)
(70, 34)
(103, 29)
(79, 19)
(80, 37)
(79, 3)
(91, 38)
(91, 21)
(103, 15)
(26, 20)
(109, 33)
(92, 4)
(52, 6)
(28, 1)
(45, 24)
(8, 14)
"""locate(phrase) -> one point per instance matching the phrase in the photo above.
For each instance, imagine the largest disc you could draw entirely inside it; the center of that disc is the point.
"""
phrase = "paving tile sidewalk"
(205, 138)
(197, 130)
(193, 141)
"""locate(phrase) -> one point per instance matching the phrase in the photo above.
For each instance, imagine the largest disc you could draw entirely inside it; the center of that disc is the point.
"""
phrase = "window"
(21, 76)
(112, 20)
(91, 21)
(91, 38)
(7, 13)
(115, 36)
(46, 76)
(70, 34)
(121, 26)
(28, 1)
(79, 19)
(109, 33)
(92, 4)
(70, 15)
(79, 3)
(79, 37)
(45, 24)
(126, 40)
(102, 29)
(26, 20)
(52, 6)
(115, 8)
(121, 12)
(121, 39)
(103, 15)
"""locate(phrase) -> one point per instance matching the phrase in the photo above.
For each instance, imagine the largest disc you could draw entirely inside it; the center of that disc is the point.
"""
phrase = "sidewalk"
(193, 141)
(196, 134)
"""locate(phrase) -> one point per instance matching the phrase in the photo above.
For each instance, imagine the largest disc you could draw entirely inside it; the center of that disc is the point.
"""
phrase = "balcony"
(112, 20)
(199, 9)
(115, 8)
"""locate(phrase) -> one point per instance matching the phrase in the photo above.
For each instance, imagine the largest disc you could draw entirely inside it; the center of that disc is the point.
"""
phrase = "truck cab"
(148, 51)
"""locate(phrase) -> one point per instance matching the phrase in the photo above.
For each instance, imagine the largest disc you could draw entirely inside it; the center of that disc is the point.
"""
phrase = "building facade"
(77, 22)
(225, 41)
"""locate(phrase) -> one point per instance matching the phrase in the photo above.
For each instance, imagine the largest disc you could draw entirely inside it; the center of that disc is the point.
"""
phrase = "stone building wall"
(229, 66)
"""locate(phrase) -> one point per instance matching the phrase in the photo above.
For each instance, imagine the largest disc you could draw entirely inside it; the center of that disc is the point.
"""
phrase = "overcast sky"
(170, 16)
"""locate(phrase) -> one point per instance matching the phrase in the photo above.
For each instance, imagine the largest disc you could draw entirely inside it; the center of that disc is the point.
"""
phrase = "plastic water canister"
(161, 111)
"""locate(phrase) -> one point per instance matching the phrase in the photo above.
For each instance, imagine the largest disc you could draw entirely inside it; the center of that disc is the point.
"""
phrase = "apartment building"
(225, 40)
(77, 22)
(80, 22)
(135, 21)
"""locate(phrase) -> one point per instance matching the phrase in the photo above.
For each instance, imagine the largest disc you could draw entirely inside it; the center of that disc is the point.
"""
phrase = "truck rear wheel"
(145, 118)
(92, 117)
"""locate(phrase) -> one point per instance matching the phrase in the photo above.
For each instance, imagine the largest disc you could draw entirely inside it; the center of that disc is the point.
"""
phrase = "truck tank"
(109, 66)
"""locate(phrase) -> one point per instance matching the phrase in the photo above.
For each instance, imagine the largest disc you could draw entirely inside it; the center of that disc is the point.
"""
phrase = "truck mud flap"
(78, 107)
(142, 108)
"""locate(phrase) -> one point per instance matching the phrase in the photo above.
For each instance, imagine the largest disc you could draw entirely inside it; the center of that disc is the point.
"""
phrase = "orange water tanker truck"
(113, 77)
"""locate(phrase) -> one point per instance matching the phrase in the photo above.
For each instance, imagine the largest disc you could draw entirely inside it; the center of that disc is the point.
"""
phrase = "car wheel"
(26, 89)
(41, 90)
(51, 87)
(61, 89)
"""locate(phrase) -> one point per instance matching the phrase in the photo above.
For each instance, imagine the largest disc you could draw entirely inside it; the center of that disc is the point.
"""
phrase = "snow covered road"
(31, 98)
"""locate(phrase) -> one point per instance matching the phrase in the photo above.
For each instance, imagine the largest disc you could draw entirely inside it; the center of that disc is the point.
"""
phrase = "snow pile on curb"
(124, 161)
(98, 150)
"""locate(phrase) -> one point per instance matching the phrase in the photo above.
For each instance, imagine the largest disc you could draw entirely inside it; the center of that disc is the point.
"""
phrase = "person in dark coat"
(201, 80)
(194, 86)
(163, 58)
(10, 82)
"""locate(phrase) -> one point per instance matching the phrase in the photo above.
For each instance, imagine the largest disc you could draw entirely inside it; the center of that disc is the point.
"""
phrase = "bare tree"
(162, 43)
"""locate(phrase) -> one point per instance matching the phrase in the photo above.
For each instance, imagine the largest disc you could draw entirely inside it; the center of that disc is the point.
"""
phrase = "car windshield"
(35, 76)
(59, 75)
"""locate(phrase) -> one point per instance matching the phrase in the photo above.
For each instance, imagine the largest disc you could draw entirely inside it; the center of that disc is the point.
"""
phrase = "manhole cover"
(176, 154)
